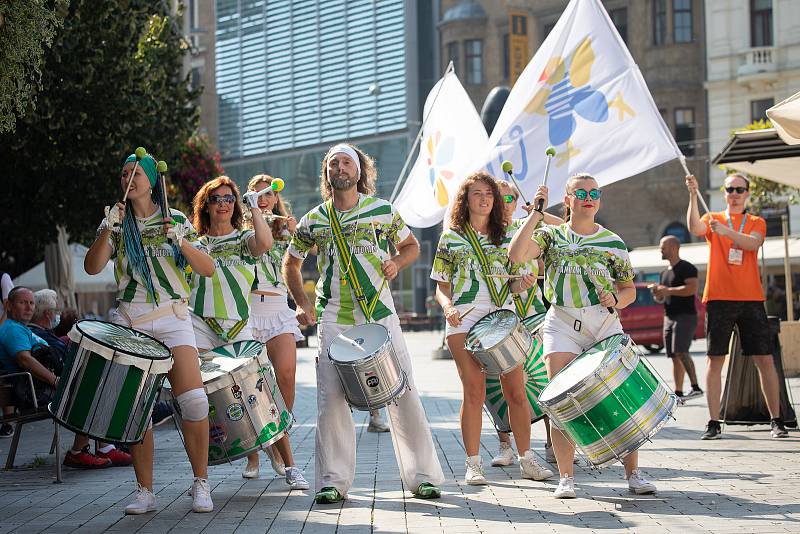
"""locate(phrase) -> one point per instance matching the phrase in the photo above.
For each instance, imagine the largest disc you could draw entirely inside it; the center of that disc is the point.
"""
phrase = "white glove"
(113, 220)
(252, 197)
(175, 234)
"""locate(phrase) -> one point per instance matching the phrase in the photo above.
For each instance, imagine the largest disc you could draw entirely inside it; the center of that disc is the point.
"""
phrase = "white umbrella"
(58, 268)
(785, 117)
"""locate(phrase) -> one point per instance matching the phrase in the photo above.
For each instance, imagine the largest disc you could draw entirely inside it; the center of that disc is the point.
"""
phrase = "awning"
(762, 153)
(785, 117)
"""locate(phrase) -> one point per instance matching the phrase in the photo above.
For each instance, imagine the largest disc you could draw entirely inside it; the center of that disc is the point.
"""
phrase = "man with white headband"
(350, 234)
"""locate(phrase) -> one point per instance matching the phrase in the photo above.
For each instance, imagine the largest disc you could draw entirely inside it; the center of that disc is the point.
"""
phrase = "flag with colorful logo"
(451, 136)
(582, 94)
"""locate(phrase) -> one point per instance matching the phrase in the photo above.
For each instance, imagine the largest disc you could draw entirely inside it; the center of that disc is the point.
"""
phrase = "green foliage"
(26, 30)
(766, 194)
(197, 163)
(110, 83)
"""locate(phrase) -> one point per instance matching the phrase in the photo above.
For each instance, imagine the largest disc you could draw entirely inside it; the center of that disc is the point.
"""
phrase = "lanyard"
(730, 220)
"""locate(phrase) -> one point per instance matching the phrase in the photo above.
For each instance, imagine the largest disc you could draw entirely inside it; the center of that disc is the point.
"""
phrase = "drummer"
(529, 304)
(151, 247)
(272, 320)
(364, 226)
(478, 229)
(584, 300)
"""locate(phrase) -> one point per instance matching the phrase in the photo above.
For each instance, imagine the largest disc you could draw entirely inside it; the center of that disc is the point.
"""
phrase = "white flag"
(583, 94)
(452, 135)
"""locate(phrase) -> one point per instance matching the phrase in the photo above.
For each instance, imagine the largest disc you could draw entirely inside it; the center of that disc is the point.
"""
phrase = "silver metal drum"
(499, 342)
(368, 366)
(246, 411)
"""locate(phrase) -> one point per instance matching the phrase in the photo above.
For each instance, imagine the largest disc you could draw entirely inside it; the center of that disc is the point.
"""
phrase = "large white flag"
(453, 133)
(583, 94)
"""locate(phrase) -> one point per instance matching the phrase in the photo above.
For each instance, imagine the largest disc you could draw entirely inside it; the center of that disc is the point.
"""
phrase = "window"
(684, 130)
(679, 230)
(758, 108)
(473, 57)
(620, 19)
(760, 23)
(548, 28)
(682, 21)
(659, 22)
(506, 57)
(452, 54)
(193, 15)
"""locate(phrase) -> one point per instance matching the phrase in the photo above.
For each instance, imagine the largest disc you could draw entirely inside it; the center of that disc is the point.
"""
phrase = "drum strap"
(523, 306)
(230, 334)
(366, 302)
(178, 308)
(498, 296)
(577, 325)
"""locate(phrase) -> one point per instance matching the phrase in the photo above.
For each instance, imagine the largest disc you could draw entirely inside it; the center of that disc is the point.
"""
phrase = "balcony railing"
(758, 62)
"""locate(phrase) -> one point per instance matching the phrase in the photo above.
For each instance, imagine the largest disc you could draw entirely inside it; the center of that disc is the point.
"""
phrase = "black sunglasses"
(219, 199)
(739, 189)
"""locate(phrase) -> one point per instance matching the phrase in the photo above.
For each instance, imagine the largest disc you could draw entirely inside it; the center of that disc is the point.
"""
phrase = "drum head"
(358, 343)
(534, 322)
(491, 330)
(581, 367)
(240, 349)
(220, 366)
(122, 339)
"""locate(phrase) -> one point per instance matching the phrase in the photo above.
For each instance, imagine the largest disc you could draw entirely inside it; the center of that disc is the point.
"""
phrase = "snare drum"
(535, 380)
(111, 378)
(499, 342)
(246, 411)
(368, 366)
(608, 400)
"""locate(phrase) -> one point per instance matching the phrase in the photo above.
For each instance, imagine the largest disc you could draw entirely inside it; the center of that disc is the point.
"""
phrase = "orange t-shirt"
(725, 281)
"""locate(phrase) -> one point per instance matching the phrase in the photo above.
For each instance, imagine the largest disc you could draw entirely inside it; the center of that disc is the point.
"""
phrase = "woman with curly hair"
(272, 320)
(469, 252)
(587, 276)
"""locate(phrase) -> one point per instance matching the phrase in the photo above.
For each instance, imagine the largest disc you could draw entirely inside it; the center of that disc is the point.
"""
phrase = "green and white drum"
(246, 411)
(111, 378)
(609, 400)
(535, 380)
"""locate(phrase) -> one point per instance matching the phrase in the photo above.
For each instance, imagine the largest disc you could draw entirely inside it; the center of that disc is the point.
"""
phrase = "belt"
(178, 308)
(570, 319)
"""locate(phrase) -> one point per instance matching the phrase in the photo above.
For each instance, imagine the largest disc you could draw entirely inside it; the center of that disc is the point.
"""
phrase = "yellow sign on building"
(517, 44)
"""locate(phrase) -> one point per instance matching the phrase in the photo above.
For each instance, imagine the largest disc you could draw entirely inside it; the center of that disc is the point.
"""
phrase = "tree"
(197, 163)
(26, 30)
(110, 83)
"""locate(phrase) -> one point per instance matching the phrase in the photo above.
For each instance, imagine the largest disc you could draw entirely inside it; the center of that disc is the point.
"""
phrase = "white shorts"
(207, 339)
(271, 316)
(559, 336)
(480, 310)
(170, 329)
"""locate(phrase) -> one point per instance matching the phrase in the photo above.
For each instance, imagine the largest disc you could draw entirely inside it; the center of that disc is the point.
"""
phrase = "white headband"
(342, 148)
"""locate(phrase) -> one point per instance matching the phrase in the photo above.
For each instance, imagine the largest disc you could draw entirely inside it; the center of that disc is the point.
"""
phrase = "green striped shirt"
(367, 229)
(226, 294)
(532, 267)
(268, 268)
(576, 264)
(169, 281)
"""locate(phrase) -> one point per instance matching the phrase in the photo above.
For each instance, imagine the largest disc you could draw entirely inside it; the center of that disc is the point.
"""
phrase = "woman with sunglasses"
(468, 256)
(151, 247)
(587, 275)
(273, 321)
(530, 305)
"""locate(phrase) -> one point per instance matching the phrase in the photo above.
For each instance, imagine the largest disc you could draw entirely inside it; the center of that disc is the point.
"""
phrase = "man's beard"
(342, 182)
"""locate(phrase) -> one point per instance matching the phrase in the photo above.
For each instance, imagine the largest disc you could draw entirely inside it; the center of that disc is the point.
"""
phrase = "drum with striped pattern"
(110, 381)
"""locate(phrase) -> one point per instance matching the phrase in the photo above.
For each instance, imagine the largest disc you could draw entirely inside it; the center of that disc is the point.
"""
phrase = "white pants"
(336, 436)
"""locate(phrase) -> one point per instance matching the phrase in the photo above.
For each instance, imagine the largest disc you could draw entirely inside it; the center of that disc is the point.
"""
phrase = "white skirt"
(271, 316)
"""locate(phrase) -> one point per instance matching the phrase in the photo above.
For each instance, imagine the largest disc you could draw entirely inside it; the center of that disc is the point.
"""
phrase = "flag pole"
(682, 159)
(411, 152)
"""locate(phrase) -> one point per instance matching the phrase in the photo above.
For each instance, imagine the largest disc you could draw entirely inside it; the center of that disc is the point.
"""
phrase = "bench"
(21, 417)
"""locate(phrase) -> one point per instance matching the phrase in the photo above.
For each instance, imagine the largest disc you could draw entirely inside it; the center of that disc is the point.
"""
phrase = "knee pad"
(193, 404)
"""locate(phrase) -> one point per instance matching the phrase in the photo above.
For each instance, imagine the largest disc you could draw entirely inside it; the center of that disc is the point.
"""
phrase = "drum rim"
(369, 355)
(103, 343)
(493, 312)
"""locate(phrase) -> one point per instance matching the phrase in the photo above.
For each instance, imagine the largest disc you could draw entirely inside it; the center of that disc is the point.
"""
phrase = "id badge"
(735, 256)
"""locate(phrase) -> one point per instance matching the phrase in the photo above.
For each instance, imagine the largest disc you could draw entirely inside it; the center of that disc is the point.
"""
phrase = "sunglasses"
(581, 194)
(219, 199)
(508, 199)
(740, 190)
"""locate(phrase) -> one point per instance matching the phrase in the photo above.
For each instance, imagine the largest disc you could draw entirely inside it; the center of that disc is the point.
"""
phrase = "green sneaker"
(426, 490)
(328, 495)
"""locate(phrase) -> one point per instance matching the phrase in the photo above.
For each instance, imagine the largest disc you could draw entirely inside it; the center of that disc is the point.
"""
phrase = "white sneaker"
(201, 496)
(277, 466)
(565, 489)
(144, 501)
(249, 472)
(640, 485)
(474, 475)
(376, 424)
(295, 479)
(505, 456)
(530, 468)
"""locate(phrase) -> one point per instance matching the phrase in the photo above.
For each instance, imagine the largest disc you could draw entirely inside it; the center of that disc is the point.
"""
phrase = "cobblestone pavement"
(745, 482)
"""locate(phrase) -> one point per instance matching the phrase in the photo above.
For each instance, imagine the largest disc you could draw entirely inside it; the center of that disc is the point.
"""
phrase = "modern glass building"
(295, 77)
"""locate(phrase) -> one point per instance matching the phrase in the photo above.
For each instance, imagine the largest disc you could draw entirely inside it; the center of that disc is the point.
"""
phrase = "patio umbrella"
(58, 268)
(785, 117)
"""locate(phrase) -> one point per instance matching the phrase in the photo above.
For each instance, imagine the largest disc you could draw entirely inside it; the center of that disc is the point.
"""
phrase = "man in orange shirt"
(734, 296)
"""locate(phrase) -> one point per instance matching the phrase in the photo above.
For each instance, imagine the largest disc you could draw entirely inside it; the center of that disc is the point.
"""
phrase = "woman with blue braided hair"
(151, 247)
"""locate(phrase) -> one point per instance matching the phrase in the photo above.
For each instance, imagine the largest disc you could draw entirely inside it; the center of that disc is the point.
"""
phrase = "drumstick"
(348, 340)
(467, 312)
(511, 276)
(140, 152)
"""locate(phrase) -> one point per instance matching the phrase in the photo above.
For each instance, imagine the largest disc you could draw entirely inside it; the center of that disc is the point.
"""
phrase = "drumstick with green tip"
(140, 152)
